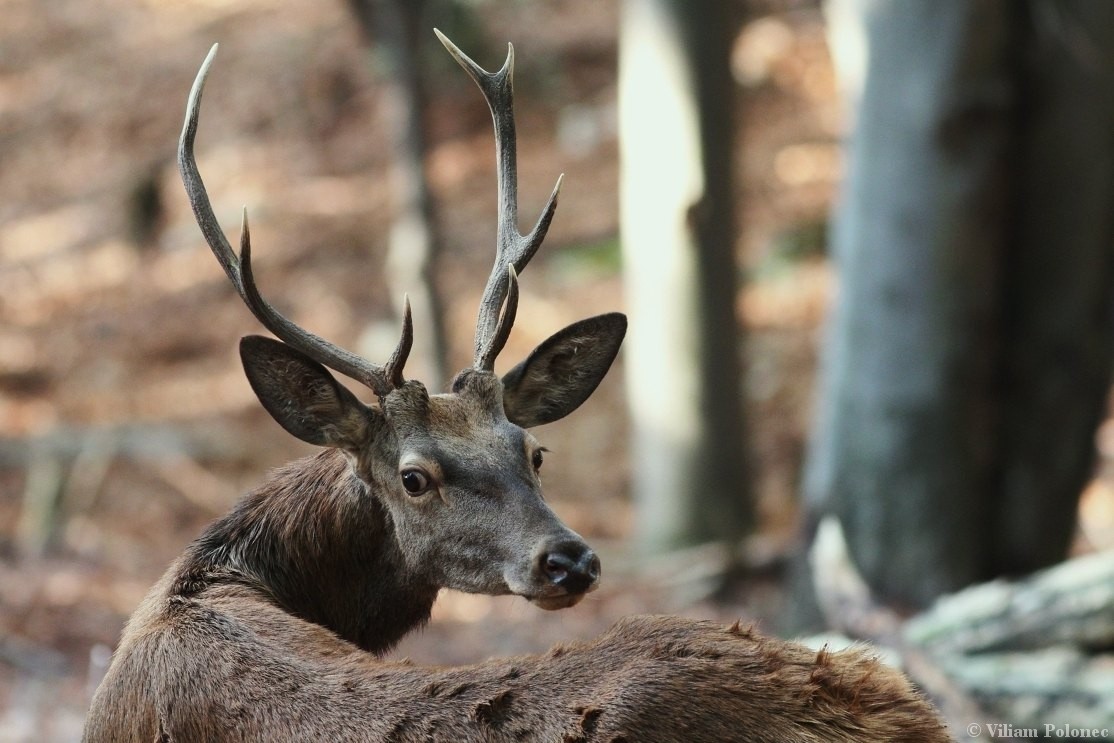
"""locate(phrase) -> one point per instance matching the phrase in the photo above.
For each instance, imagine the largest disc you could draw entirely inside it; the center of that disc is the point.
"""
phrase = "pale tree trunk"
(969, 350)
(678, 233)
(398, 30)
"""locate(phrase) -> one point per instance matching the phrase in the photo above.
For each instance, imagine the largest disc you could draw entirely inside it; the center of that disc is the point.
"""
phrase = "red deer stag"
(270, 626)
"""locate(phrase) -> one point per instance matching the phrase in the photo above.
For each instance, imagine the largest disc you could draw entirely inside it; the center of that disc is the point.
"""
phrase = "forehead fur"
(476, 400)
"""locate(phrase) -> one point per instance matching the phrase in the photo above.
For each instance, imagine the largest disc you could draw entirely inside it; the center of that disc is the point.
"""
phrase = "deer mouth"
(555, 597)
(551, 597)
(554, 603)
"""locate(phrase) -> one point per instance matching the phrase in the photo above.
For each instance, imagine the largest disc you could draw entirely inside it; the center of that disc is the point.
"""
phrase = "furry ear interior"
(303, 396)
(563, 371)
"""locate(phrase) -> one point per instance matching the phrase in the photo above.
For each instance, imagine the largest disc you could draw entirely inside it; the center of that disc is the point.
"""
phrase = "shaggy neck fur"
(317, 543)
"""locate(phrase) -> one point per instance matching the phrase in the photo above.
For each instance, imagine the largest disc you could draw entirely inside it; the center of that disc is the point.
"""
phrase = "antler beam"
(238, 268)
(513, 250)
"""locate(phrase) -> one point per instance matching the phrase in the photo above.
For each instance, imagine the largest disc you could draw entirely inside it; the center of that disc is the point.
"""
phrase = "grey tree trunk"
(1058, 308)
(969, 350)
(678, 232)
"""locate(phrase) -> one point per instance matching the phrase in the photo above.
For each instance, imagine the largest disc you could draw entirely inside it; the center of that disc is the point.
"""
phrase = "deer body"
(221, 649)
(271, 625)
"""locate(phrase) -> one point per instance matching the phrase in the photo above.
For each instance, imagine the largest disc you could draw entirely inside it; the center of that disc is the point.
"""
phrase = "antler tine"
(393, 368)
(512, 248)
(239, 270)
(485, 358)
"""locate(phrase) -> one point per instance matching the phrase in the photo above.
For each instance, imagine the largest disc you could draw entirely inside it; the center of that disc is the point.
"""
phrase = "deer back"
(256, 673)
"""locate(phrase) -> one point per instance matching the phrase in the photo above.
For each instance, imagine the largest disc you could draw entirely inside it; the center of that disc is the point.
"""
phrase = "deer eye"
(414, 481)
(537, 459)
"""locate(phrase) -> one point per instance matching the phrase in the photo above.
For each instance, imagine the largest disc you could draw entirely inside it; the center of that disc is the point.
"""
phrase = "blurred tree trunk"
(969, 351)
(398, 29)
(678, 233)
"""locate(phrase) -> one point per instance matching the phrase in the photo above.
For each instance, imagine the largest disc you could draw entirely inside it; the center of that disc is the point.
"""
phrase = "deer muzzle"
(566, 570)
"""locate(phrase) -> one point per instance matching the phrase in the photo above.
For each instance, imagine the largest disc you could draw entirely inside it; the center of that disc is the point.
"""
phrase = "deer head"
(456, 472)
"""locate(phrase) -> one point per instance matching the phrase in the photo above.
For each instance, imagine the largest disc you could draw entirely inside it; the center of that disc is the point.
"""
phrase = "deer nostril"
(593, 567)
(557, 567)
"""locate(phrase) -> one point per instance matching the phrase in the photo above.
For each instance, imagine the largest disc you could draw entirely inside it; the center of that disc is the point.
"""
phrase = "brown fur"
(262, 631)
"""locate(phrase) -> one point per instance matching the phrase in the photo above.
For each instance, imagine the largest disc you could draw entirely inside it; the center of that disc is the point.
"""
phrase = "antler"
(379, 378)
(513, 250)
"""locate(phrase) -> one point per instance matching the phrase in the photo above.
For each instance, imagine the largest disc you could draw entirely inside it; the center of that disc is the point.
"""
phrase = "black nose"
(572, 566)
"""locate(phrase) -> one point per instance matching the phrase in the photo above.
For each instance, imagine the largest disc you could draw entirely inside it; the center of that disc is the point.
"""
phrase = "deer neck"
(318, 543)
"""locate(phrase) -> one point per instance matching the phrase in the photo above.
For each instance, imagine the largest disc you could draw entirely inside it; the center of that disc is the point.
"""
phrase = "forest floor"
(125, 421)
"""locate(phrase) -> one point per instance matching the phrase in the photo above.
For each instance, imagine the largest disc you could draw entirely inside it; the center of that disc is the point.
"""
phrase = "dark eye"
(538, 459)
(415, 481)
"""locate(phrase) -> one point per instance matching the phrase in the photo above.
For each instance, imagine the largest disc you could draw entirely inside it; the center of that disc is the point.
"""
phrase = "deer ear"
(303, 396)
(563, 371)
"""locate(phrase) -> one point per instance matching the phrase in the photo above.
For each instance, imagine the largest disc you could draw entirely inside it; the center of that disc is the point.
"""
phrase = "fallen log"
(1059, 686)
(1003, 660)
(1069, 604)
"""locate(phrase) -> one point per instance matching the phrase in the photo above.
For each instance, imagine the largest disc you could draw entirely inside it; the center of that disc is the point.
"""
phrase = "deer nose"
(572, 566)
